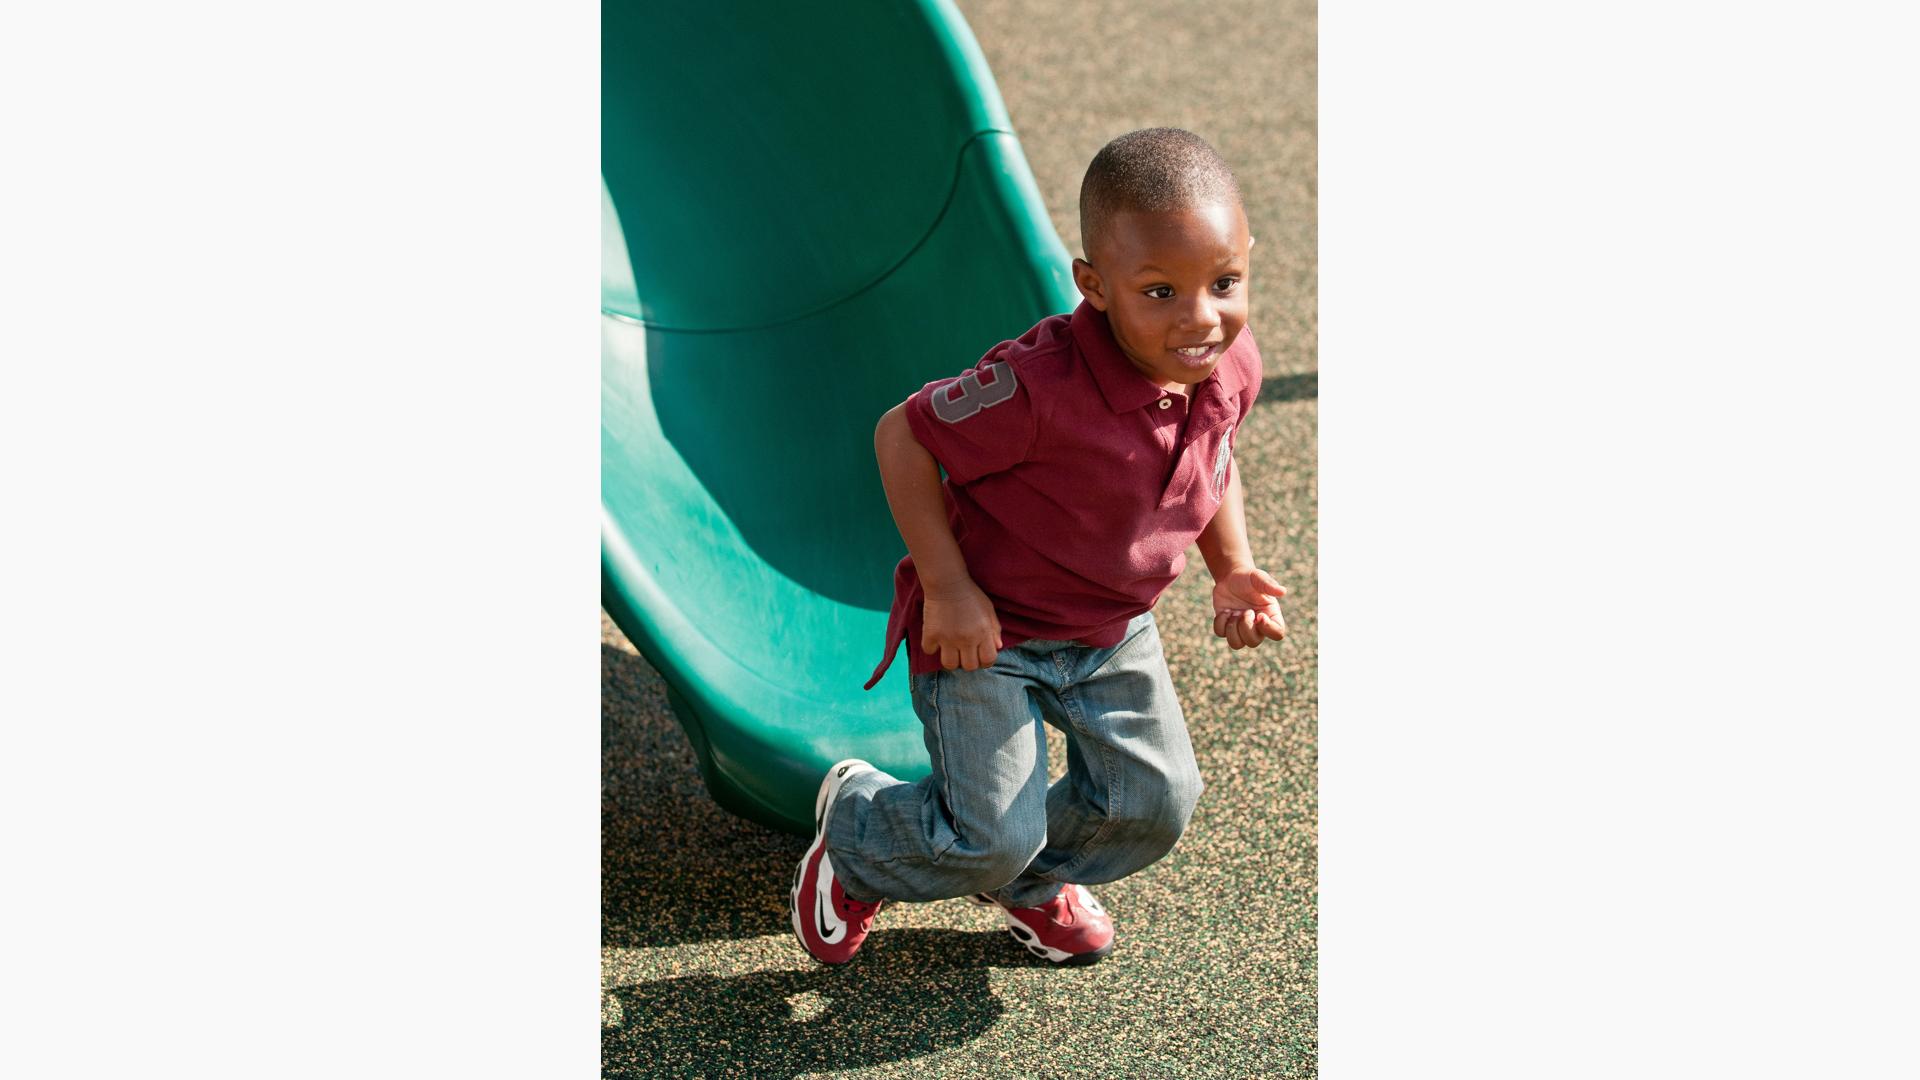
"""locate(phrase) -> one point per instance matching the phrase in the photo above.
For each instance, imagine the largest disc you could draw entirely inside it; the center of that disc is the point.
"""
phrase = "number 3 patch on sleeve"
(967, 395)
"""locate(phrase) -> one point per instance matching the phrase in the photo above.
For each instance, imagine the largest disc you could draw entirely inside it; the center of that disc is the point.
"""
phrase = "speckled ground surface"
(1214, 973)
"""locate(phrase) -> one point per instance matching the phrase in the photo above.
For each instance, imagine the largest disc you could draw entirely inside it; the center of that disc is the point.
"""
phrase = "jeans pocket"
(923, 691)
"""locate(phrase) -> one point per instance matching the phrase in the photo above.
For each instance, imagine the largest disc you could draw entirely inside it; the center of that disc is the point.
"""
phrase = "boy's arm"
(959, 623)
(1246, 599)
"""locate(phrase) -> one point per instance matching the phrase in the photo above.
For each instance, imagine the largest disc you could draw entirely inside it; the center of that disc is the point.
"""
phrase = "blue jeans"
(986, 820)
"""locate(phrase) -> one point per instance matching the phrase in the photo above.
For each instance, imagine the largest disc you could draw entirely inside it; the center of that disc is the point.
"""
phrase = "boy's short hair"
(1150, 171)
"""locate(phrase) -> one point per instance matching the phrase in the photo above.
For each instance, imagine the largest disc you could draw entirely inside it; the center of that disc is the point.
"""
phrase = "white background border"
(301, 439)
(1618, 534)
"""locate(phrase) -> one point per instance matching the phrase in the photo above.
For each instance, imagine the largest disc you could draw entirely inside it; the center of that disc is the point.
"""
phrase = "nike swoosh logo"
(832, 927)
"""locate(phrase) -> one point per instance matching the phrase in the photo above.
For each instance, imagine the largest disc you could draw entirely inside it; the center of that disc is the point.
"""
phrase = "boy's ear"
(1087, 279)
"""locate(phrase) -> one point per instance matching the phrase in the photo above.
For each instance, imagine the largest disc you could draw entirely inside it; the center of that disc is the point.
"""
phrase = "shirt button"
(1166, 403)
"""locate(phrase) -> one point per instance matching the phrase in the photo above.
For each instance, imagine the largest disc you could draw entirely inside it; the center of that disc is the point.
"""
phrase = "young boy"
(1081, 461)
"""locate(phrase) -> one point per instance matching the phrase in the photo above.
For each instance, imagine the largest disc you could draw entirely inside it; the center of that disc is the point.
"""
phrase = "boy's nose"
(1201, 315)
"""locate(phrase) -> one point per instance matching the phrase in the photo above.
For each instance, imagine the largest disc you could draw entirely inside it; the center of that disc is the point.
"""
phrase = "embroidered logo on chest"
(1220, 461)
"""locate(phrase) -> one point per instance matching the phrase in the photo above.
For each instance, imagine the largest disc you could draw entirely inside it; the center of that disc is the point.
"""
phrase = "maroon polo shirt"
(1074, 484)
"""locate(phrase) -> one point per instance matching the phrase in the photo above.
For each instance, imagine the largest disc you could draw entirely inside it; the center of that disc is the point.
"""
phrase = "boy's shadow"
(910, 992)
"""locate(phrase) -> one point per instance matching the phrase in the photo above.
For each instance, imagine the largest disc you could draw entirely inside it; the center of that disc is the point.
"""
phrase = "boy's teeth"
(1195, 352)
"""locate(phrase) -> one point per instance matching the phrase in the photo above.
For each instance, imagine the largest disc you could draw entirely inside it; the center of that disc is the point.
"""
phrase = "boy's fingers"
(987, 656)
(949, 659)
(1266, 584)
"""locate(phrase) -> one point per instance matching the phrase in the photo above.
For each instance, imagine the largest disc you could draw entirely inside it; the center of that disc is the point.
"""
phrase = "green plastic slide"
(809, 212)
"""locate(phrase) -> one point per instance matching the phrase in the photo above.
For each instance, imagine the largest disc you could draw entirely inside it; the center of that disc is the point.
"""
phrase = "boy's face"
(1174, 287)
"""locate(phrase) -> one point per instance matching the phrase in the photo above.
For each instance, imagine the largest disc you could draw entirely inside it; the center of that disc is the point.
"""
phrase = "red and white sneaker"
(1072, 928)
(829, 924)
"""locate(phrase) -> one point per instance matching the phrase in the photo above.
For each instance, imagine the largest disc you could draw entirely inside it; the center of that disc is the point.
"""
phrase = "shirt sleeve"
(975, 424)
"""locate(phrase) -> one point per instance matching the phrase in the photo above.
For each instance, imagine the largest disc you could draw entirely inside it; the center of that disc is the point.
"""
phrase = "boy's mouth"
(1198, 353)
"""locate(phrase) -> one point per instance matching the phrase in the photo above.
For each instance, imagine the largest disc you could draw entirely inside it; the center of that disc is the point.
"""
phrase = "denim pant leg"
(979, 819)
(1131, 782)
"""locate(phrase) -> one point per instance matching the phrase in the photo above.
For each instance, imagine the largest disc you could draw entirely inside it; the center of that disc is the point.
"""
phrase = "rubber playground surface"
(1214, 970)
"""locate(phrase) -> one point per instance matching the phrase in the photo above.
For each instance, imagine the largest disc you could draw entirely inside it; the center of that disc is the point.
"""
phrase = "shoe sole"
(1024, 934)
(837, 778)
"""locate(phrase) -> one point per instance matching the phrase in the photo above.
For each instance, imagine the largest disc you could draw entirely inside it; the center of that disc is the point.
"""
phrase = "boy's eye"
(1226, 284)
(1160, 292)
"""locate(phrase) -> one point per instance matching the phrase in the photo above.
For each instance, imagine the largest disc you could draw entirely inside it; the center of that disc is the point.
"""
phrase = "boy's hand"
(1246, 608)
(960, 625)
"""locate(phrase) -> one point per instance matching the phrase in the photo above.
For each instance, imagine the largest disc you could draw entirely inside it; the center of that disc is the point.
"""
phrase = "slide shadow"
(674, 867)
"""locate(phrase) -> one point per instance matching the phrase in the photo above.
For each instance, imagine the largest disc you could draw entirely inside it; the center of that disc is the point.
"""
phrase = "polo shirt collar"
(1121, 384)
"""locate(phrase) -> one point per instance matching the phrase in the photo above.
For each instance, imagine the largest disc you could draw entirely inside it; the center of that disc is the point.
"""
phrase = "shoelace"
(851, 908)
